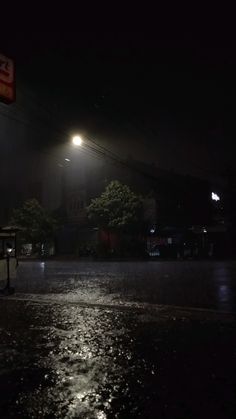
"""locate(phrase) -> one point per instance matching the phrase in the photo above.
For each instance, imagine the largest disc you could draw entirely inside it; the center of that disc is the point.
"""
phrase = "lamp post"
(76, 141)
(8, 288)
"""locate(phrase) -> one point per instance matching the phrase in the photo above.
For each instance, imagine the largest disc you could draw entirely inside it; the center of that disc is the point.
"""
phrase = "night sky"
(171, 102)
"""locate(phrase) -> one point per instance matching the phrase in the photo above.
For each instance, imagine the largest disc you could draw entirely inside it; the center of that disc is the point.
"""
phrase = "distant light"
(204, 230)
(77, 140)
(152, 230)
(67, 159)
(9, 248)
(215, 197)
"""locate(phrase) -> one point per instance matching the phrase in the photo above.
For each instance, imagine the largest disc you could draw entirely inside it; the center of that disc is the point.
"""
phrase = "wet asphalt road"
(95, 340)
(206, 284)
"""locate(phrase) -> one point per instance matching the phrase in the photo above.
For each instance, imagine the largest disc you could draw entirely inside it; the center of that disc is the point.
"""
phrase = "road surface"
(191, 284)
(107, 340)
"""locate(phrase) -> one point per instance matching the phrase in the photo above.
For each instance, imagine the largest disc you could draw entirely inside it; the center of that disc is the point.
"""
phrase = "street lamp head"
(77, 140)
(9, 248)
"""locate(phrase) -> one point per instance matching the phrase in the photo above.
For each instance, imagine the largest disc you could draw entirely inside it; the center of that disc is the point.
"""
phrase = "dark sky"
(171, 101)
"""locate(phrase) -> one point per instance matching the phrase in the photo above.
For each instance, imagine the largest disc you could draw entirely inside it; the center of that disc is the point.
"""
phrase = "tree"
(36, 224)
(117, 210)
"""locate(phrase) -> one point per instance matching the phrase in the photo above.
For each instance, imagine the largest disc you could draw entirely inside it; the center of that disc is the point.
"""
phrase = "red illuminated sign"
(7, 79)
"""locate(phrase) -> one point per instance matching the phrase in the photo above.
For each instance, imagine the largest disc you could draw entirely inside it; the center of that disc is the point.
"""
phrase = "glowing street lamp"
(77, 140)
(215, 197)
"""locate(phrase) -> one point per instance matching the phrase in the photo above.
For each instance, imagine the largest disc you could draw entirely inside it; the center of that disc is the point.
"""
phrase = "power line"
(92, 148)
(136, 125)
(97, 151)
(102, 151)
(64, 133)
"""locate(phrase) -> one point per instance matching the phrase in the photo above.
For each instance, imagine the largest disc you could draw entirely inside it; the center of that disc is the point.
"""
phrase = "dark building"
(177, 208)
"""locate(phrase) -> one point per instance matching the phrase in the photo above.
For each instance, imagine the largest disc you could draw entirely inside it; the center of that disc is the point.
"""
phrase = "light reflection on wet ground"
(206, 284)
(88, 340)
(67, 361)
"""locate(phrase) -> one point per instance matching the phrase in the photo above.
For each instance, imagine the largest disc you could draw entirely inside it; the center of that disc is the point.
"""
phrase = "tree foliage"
(36, 224)
(117, 208)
